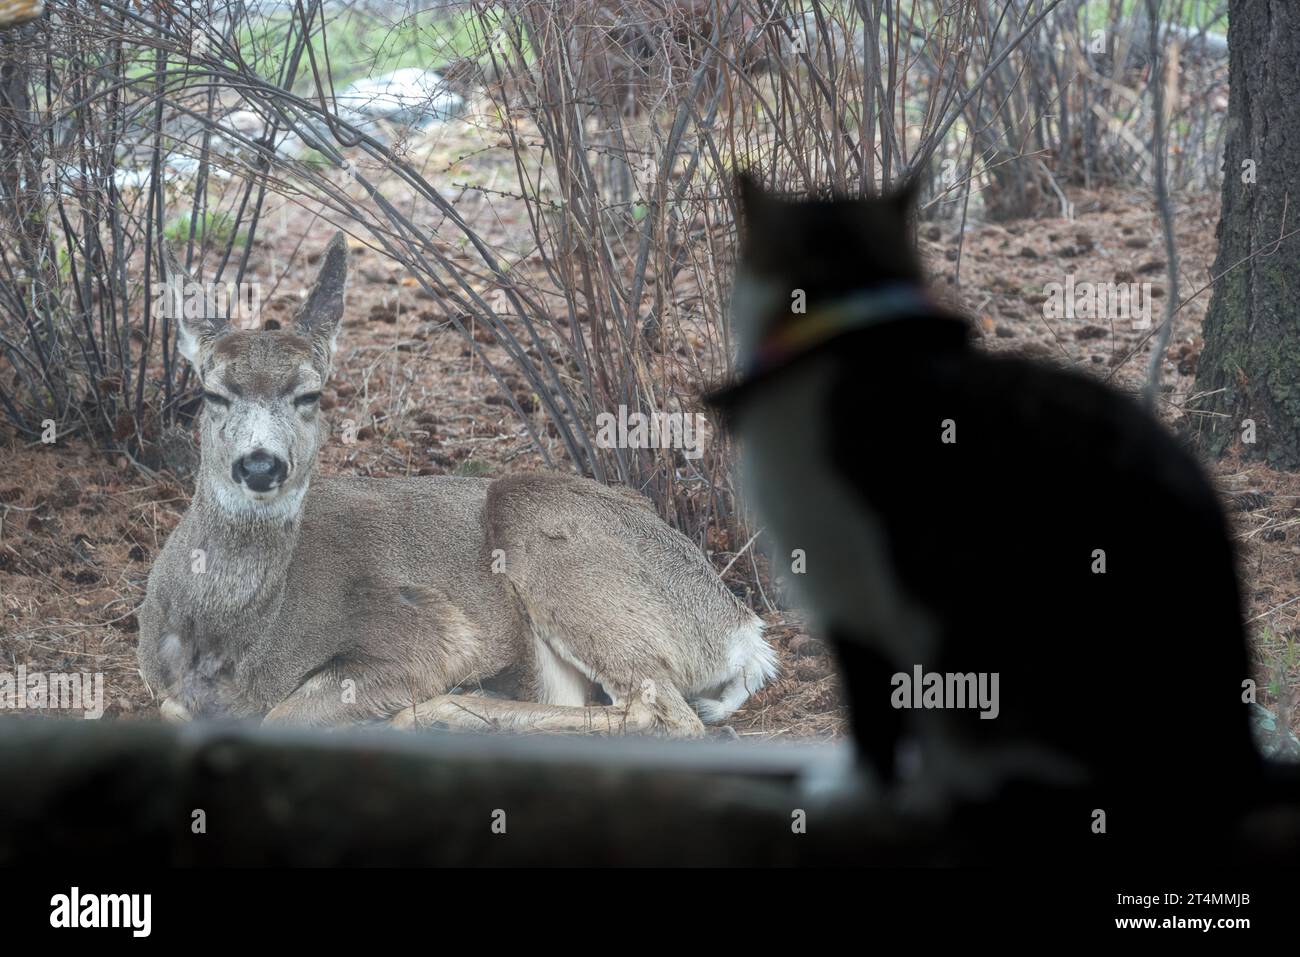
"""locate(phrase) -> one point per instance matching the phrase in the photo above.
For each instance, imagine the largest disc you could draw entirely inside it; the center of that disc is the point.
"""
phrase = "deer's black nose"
(260, 471)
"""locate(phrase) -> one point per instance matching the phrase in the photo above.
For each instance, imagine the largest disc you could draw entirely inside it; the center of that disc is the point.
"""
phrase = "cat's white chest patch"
(830, 545)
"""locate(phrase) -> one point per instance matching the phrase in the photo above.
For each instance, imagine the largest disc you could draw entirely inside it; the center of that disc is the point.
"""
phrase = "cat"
(957, 512)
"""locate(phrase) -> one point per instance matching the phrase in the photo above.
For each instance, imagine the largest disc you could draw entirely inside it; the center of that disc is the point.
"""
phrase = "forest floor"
(79, 528)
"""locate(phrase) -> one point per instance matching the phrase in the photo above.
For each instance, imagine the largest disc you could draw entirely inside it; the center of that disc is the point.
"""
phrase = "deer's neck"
(243, 555)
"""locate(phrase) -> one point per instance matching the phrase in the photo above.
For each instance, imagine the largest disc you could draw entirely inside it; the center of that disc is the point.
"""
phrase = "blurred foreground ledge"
(130, 793)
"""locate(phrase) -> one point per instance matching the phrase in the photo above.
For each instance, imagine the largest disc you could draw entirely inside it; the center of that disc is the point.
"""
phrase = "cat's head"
(797, 255)
(811, 269)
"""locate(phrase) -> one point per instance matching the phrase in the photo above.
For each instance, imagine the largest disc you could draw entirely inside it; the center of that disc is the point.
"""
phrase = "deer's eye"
(220, 400)
(306, 400)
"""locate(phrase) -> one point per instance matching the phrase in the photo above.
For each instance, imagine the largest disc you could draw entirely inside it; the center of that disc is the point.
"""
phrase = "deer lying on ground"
(331, 600)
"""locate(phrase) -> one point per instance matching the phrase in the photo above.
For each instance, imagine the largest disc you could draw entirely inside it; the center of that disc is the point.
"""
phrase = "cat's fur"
(1119, 691)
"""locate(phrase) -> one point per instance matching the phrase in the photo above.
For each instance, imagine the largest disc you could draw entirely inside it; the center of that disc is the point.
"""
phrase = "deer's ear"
(187, 306)
(318, 319)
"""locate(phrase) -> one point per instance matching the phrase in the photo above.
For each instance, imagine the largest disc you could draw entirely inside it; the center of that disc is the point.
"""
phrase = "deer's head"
(261, 426)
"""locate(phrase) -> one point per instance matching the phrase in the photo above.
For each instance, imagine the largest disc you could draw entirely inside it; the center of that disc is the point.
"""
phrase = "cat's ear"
(903, 195)
(754, 200)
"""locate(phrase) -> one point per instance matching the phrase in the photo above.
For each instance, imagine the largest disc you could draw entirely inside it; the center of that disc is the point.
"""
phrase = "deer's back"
(368, 544)
(404, 528)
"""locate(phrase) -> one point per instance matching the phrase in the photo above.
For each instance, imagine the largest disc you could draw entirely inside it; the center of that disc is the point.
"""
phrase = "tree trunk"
(1250, 365)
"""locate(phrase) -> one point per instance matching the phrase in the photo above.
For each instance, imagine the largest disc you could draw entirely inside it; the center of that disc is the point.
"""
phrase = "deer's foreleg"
(330, 699)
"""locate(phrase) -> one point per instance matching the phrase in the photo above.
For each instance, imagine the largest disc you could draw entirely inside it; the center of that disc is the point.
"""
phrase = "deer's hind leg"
(569, 658)
(612, 597)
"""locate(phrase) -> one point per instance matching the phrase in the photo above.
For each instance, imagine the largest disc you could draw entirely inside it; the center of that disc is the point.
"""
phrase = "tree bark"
(1250, 366)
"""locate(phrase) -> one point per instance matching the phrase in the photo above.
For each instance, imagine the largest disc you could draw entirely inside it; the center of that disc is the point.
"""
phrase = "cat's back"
(1011, 442)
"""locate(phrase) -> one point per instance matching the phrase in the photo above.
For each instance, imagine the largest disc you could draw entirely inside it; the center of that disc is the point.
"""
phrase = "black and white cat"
(960, 513)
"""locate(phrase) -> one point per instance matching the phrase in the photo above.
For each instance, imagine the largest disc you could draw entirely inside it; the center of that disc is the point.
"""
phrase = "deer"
(532, 602)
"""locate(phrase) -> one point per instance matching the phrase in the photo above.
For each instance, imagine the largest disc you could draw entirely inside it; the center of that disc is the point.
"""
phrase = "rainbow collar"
(791, 339)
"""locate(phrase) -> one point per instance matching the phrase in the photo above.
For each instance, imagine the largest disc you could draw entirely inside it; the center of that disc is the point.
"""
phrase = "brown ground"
(78, 529)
